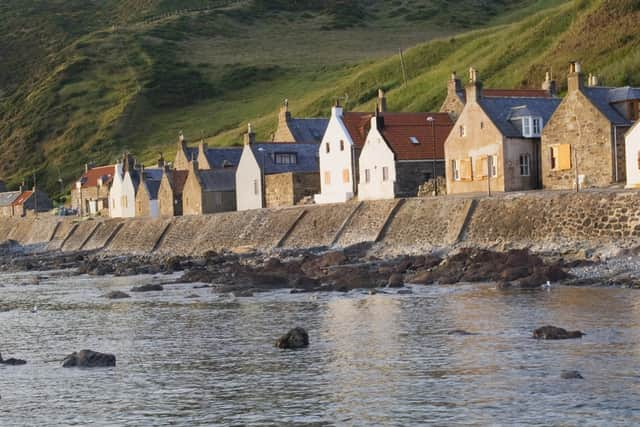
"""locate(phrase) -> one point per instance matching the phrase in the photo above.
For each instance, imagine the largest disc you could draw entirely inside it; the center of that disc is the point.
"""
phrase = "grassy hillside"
(129, 74)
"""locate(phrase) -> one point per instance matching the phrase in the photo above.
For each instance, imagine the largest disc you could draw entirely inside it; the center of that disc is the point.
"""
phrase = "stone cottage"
(632, 147)
(275, 173)
(147, 192)
(298, 130)
(495, 143)
(24, 203)
(90, 195)
(401, 152)
(584, 140)
(209, 191)
(457, 97)
(170, 192)
(208, 158)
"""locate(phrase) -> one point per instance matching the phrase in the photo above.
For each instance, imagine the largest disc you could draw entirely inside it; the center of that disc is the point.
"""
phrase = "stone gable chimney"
(474, 87)
(381, 102)
(549, 84)
(454, 86)
(161, 162)
(336, 110)
(593, 80)
(575, 79)
(249, 137)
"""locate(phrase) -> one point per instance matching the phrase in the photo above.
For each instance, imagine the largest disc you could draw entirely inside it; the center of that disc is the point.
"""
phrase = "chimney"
(202, 148)
(381, 103)
(454, 85)
(377, 121)
(182, 143)
(549, 85)
(161, 161)
(20, 188)
(474, 87)
(593, 80)
(86, 167)
(575, 80)
(336, 110)
(249, 137)
(284, 116)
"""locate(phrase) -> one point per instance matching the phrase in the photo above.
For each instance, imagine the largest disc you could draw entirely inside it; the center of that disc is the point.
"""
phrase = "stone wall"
(411, 175)
(305, 185)
(366, 224)
(138, 236)
(103, 234)
(319, 226)
(80, 235)
(278, 190)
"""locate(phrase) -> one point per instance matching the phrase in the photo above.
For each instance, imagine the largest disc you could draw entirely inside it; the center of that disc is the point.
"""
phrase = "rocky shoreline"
(245, 273)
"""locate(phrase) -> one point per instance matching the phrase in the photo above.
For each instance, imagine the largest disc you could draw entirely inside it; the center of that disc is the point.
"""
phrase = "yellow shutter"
(564, 157)
(482, 167)
(465, 169)
(346, 176)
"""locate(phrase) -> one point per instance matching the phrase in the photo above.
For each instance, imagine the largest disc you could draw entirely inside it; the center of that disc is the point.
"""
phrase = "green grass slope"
(129, 74)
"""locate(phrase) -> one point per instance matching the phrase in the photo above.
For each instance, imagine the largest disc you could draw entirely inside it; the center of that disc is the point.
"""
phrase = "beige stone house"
(170, 192)
(147, 204)
(24, 203)
(209, 191)
(90, 195)
(584, 141)
(495, 143)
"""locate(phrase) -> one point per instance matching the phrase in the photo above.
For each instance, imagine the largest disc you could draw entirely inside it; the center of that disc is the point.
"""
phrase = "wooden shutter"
(482, 167)
(564, 157)
(346, 176)
(465, 169)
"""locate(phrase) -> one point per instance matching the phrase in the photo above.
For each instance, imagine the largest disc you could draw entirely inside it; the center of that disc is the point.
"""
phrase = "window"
(456, 171)
(537, 126)
(285, 158)
(494, 166)
(482, 168)
(638, 160)
(525, 165)
(481, 125)
(346, 176)
(526, 126)
(341, 145)
(385, 173)
(367, 176)
(255, 186)
(327, 148)
(560, 157)
(466, 173)
(462, 130)
(327, 178)
(414, 140)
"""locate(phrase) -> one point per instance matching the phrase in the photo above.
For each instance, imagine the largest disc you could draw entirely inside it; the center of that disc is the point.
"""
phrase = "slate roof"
(7, 198)
(218, 179)
(153, 187)
(358, 125)
(399, 129)
(90, 178)
(603, 97)
(511, 93)
(219, 157)
(307, 131)
(500, 110)
(151, 180)
(307, 157)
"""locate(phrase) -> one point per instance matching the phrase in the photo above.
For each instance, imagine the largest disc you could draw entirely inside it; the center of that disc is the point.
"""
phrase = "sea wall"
(541, 220)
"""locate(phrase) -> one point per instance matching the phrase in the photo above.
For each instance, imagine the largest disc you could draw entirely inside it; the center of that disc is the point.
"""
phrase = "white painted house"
(122, 195)
(632, 147)
(402, 151)
(338, 154)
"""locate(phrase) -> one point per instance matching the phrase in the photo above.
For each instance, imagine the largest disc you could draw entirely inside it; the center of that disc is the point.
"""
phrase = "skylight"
(414, 140)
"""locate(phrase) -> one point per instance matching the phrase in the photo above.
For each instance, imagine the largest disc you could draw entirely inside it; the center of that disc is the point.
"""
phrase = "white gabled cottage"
(632, 147)
(339, 153)
(122, 194)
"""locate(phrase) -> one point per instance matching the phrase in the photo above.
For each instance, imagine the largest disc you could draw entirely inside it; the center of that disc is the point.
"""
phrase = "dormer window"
(285, 158)
(531, 126)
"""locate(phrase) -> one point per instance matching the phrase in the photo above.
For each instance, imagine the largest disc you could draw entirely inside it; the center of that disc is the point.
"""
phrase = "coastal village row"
(482, 140)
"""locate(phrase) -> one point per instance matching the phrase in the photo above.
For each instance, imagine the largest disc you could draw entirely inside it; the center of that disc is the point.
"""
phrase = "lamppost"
(262, 180)
(79, 188)
(432, 122)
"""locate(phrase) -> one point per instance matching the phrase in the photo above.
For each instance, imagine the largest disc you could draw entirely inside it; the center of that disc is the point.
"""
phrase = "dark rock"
(404, 292)
(554, 333)
(294, 339)
(116, 295)
(193, 296)
(460, 332)
(396, 280)
(172, 264)
(422, 278)
(12, 362)
(89, 359)
(147, 288)
(571, 375)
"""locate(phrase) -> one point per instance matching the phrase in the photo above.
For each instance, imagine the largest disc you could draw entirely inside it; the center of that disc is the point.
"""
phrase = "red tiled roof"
(523, 93)
(179, 179)
(22, 198)
(399, 129)
(358, 125)
(90, 178)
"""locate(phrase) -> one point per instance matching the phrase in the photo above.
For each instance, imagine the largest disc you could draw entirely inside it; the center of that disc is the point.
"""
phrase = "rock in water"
(147, 288)
(554, 333)
(571, 375)
(116, 295)
(295, 338)
(89, 359)
(396, 280)
(11, 361)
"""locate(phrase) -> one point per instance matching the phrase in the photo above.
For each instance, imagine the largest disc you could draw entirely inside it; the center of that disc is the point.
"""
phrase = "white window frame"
(525, 164)
(385, 173)
(456, 170)
(463, 131)
(493, 165)
(526, 126)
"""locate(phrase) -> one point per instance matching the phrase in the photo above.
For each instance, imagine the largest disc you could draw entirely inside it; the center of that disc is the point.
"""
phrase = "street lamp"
(262, 180)
(432, 122)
